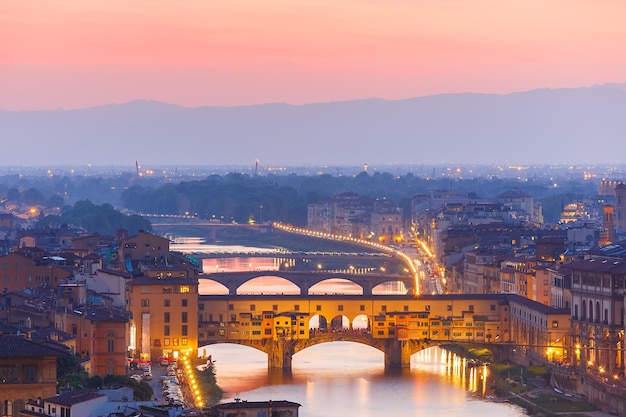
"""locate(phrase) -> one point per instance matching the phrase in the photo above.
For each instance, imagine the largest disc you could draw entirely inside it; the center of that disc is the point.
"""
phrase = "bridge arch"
(268, 284)
(361, 323)
(390, 287)
(340, 323)
(335, 286)
(208, 286)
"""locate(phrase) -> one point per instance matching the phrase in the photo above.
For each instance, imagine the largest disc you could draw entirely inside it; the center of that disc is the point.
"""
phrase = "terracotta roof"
(616, 266)
(162, 281)
(74, 397)
(12, 345)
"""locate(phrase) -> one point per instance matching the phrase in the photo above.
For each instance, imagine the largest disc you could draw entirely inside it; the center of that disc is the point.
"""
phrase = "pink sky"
(80, 53)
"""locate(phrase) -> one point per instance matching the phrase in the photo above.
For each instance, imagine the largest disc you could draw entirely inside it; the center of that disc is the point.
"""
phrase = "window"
(7, 407)
(166, 341)
(184, 302)
(231, 307)
(492, 307)
(362, 307)
(275, 307)
(318, 308)
(383, 308)
(555, 323)
(166, 317)
(166, 302)
(166, 330)
(296, 307)
(175, 341)
(30, 373)
(185, 341)
(252, 307)
(110, 346)
(184, 289)
(471, 307)
(428, 308)
(145, 303)
(340, 307)
(184, 330)
(184, 317)
(406, 308)
(449, 307)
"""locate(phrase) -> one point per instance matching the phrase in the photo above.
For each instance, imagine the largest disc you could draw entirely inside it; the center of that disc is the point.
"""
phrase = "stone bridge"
(305, 280)
(280, 352)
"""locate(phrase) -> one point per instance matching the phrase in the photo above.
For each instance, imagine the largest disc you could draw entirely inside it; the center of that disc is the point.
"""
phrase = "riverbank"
(526, 386)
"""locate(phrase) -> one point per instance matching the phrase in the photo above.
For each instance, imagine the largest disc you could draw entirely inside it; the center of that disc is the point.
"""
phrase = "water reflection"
(343, 378)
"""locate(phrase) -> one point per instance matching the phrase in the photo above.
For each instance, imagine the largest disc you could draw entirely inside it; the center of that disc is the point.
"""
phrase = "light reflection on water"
(343, 378)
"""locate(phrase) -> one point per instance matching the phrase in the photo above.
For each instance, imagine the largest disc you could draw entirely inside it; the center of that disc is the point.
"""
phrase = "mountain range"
(584, 125)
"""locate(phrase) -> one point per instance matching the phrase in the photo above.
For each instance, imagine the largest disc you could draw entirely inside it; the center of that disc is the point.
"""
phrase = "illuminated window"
(184, 289)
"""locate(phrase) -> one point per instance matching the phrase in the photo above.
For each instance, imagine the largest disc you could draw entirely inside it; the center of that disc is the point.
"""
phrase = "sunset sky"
(79, 53)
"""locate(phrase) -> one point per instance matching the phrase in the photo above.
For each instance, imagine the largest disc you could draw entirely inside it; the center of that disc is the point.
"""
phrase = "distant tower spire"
(365, 167)
(137, 167)
(256, 167)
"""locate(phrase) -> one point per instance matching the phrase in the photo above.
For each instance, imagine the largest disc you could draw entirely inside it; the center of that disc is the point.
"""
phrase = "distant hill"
(579, 125)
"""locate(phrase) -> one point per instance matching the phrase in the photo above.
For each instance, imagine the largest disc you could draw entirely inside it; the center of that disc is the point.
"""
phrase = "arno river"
(341, 379)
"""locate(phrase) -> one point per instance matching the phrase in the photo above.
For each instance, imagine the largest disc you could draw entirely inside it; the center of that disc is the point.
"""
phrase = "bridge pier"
(397, 354)
(279, 354)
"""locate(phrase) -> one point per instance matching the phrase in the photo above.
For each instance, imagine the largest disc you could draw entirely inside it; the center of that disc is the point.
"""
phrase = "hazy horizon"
(312, 83)
(70, 54)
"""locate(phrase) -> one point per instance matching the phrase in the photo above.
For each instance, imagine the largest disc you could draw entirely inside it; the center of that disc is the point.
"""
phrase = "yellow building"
(165, 316)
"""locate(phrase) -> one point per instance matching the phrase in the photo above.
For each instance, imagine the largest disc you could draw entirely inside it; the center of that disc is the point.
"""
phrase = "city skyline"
(75, 54)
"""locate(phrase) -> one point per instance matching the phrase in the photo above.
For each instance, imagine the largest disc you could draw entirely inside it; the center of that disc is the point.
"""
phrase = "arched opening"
(339, 358)
(590, 310)
(233, 361)
(318, 323)
(591, 349)
(339, 324)
(598, 317)
(583, 314)
(6, 408)
(390, 288)
(268, 285)
(361, 324)
(335, 286)
(576, 337)
(209, 287)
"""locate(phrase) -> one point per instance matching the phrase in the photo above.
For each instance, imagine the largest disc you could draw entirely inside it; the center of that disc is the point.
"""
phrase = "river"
(341, 379)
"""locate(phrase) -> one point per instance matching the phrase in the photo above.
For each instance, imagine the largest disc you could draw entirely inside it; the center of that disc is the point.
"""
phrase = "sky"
(75, 53)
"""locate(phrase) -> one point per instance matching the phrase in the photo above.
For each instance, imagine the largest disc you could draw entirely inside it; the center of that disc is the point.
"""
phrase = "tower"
(620, 206)
(608, 222)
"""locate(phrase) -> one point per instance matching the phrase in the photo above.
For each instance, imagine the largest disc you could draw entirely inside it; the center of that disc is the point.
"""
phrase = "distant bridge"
(305, 280)
(205, 228)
